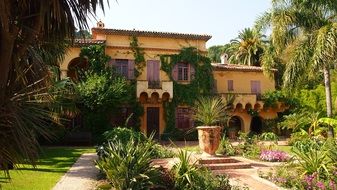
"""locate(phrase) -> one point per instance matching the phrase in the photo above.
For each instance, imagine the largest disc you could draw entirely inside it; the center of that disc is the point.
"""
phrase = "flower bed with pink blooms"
(274, 156)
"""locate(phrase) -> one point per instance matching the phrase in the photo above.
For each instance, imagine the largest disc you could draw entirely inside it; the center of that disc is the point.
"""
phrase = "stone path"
(81, 176)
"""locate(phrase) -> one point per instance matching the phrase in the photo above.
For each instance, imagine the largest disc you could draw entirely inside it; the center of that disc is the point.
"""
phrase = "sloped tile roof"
(151, 34)
(235, 67)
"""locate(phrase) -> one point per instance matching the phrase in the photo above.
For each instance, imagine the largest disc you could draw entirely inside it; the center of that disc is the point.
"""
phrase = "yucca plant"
(190, 176)
(210, 110)
(127, 166)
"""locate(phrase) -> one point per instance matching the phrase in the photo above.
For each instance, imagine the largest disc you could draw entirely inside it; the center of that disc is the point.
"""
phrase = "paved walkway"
(81, 176)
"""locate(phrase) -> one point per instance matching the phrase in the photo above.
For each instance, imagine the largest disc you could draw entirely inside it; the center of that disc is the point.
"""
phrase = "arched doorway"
(235, 124)
(74, 66)
(256, 125)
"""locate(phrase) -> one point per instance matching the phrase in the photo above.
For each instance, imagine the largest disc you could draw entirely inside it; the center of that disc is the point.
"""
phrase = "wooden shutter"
(192, 72)
(230, 85)
(131, 69)
(149, 66)
(255, 86)
(175, 72)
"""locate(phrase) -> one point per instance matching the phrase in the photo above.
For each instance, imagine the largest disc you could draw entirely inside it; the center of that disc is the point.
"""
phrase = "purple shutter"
(258, 87)
(131, 69)
(252, 86)
(175, 72)
(156, 69)
(255, 86)
(230, 86)
(192, 72)
(149, 66)
(153, 68)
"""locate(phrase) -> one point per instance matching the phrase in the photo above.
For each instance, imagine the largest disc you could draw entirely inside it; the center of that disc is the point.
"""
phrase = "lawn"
(53, 163)
(285, 148)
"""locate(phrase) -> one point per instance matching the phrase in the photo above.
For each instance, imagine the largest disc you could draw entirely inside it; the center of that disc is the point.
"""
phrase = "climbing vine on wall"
(138, 54)
(186, 94)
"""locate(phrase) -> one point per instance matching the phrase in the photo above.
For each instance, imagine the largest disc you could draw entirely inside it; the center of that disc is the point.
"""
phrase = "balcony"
(160, 90)
(244, 100)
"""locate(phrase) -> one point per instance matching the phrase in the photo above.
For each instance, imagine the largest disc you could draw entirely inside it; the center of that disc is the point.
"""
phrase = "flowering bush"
(274, 156)
(313, 182)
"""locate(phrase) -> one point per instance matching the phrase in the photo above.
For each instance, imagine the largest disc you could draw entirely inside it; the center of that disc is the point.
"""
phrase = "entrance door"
(153, 122)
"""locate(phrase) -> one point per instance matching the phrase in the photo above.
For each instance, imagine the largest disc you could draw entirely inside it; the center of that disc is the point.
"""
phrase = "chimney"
(100, 24)
(224, 58)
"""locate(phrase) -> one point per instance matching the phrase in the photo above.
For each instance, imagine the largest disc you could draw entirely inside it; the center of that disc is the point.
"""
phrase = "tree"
(33, 36)
(248, 47)
(214, 52)
(304, 32)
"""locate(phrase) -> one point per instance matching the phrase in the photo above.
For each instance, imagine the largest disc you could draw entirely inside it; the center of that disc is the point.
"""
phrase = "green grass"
(53, 163)
(192, 148)
(286, 149)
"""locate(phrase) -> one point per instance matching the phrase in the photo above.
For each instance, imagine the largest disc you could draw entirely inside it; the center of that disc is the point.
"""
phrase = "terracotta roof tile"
(151, 34)
(235, 67)
(84, 42)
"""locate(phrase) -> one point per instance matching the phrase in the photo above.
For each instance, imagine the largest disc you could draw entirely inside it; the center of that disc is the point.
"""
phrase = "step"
(217, 160)
(225, 166)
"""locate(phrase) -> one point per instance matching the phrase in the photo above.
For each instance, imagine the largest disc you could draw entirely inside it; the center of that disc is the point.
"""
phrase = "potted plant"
(210, 112)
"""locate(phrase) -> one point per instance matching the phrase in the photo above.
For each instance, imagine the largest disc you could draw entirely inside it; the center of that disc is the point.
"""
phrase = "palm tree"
(247, 48)
(304, 33)
(32, 36)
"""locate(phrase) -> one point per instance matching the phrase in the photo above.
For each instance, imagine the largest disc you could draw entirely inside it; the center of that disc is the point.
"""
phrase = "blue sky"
(222, 19)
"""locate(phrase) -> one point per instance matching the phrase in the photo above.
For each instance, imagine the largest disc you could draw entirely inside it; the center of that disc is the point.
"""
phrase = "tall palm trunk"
(328, 97)
(6, 49)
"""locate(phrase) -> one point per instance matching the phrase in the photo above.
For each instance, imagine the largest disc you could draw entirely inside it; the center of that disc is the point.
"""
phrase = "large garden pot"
(209, 139)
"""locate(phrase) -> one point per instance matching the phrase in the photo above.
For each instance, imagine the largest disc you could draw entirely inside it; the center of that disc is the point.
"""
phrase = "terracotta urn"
(209, 139)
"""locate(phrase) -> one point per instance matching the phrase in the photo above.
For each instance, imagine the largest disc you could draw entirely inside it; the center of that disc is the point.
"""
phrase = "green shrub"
(226, 147)
(123, 135)
(269, 136)
(298, 136)
(312, 156)
(158, 151)
(127, 165)
(248, 146)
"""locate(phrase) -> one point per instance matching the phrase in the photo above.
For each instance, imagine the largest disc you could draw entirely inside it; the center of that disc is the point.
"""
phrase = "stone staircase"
(222, 163)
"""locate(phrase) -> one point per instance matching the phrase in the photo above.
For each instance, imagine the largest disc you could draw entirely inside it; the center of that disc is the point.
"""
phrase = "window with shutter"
(131, 69)
(183, 72)
(255, 86)
(122, 67)
(153, 71)
(230, 85)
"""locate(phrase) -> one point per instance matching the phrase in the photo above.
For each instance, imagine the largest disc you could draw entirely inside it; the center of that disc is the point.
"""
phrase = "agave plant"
(210, 111)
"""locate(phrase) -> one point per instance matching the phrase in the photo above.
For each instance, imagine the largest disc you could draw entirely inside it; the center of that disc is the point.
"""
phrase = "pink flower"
(320, 185)
(274, 155)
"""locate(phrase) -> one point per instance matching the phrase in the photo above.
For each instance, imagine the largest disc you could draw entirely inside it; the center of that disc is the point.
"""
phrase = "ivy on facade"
(138, 54)
(186, 94)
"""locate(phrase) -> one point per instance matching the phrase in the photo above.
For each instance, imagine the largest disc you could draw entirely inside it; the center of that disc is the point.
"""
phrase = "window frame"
(183, 116)
(183, 72)
(122, 67)
(255, 86)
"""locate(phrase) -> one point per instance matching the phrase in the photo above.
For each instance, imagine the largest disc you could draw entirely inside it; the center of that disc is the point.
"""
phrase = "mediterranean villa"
(154, 87)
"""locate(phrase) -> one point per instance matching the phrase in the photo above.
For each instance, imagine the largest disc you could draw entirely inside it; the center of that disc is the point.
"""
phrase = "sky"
(222, 19)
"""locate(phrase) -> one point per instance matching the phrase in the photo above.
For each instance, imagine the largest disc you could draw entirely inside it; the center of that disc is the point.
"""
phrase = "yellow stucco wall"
(241, 81)
(118, 47)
